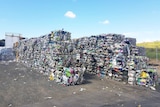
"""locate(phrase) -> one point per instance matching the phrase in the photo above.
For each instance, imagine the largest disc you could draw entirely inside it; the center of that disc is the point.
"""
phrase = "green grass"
(151, 53)
(151, 49)
(150, 44)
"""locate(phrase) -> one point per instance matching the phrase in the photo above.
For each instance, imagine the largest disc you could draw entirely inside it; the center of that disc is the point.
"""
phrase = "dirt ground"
(24, 87)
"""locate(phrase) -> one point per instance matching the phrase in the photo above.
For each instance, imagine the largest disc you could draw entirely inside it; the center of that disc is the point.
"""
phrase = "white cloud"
(105, 22)
(70, 14)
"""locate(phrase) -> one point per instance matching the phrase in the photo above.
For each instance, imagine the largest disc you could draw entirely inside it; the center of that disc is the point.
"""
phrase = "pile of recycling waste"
(65, 60)
(7, 54)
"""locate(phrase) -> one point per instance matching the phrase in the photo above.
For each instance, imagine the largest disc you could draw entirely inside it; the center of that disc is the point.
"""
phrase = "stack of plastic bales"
(131, 71)
(53, 55)
(65, 60)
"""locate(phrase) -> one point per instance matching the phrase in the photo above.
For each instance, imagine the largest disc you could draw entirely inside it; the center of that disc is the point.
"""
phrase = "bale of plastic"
(65, 60)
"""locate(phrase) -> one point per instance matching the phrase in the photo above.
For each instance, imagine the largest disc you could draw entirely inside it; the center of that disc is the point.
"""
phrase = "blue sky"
(32, 18)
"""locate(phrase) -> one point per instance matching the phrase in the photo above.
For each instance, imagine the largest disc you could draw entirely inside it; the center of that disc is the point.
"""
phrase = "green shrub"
(151, 53)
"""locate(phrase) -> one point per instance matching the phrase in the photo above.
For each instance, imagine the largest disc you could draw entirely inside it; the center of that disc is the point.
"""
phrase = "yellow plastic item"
(51, 77)
(52, 35)
(143, 74)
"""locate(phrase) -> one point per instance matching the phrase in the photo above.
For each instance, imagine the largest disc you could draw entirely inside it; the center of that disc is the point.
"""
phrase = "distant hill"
(150, 44)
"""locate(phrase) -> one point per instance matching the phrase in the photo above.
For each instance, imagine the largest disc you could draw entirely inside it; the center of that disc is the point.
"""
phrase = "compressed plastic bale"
(141, 51)
(131, 74)
(58, 76)
(131, 41)
(65, 80)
